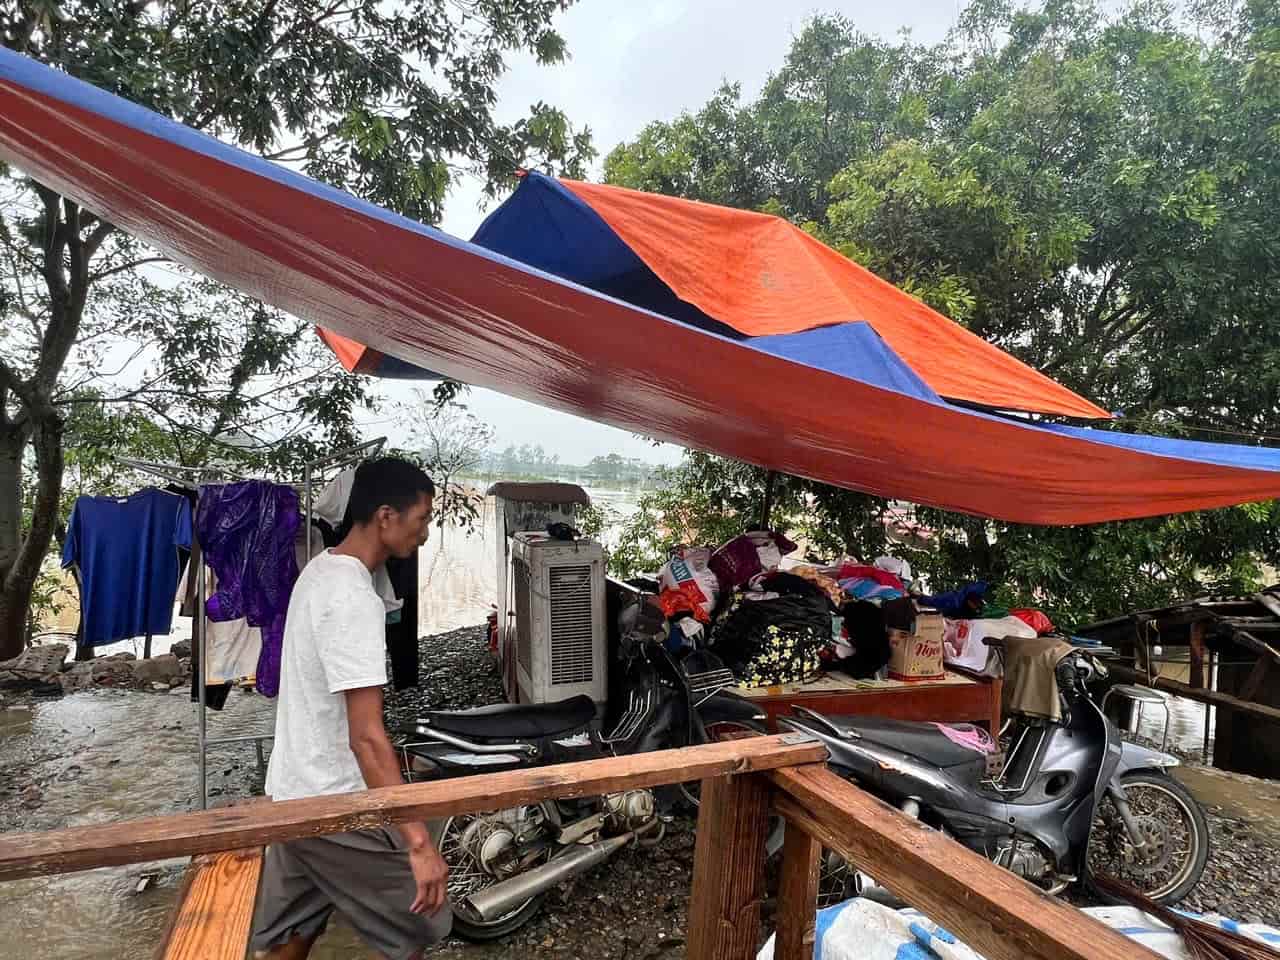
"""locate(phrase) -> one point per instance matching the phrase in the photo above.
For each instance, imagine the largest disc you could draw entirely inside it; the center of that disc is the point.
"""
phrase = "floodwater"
(98, 757)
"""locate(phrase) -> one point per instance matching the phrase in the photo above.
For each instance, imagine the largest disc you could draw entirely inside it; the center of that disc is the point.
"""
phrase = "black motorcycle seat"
(524, 720)
(922, 740)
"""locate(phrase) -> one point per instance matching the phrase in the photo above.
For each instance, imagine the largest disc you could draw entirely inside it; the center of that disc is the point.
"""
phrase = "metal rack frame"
(314, 472)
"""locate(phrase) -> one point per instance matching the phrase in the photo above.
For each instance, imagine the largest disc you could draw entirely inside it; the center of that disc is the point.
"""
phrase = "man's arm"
(380, 768)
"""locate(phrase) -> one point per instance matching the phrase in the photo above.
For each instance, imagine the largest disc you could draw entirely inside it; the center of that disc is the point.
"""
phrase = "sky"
(629, 65)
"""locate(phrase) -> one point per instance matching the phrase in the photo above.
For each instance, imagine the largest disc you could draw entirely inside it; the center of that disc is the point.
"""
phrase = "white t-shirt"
(334, 640)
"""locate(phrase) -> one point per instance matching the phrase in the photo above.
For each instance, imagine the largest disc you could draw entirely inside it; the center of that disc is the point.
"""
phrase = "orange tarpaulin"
(761, 275)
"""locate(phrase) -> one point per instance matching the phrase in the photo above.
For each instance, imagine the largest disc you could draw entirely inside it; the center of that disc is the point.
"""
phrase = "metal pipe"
(306, 483)
(526, 748)
(500, 899)
(202, 671)
(258, 737)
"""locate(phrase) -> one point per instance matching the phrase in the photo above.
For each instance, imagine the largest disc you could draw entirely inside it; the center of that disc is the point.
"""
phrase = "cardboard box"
(917, 656)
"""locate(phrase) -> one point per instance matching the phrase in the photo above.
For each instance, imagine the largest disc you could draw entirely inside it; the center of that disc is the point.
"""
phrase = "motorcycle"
(502, 863)
(1070, 801)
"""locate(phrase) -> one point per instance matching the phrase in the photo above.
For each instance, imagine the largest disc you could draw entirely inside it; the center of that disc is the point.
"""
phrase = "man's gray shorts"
(364, 875)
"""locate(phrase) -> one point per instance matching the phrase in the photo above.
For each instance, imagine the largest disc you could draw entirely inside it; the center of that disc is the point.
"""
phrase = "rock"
(73, 681)
(109, 668)
(181, 649)
(159, 669)
(160, 687)
(36, 662)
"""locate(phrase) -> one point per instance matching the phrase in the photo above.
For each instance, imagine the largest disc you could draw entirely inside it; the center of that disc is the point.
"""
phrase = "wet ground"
(98, 757)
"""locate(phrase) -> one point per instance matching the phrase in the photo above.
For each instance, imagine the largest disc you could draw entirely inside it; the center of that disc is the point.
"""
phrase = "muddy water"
(98, 757)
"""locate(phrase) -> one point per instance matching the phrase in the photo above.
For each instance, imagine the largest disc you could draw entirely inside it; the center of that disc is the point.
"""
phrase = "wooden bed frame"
(961, 697)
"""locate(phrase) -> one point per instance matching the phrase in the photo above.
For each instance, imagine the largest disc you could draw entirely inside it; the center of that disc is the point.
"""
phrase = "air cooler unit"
(558, 588)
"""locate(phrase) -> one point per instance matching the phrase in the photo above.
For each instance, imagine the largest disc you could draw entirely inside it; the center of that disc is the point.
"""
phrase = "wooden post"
(1197, 655)
(146, 648)
(728, 868)
(797, 896)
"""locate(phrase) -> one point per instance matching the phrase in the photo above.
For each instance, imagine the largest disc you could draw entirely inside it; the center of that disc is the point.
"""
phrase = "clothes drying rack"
(314, 472)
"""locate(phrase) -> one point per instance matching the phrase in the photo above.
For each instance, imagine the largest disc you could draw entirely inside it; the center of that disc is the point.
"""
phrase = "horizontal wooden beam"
(210, 831)
(996, 913)
(1224, 700)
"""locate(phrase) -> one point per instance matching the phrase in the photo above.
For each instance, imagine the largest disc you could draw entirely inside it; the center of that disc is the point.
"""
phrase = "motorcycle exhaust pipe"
(865, 885)
(489, 904)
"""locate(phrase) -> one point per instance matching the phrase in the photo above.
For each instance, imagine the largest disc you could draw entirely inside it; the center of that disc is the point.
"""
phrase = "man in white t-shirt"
(390, 883)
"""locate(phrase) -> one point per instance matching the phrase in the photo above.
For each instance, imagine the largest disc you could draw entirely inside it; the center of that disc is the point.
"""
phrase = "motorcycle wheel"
(718, 731)
(691, 789)
(1171, 821)
(467, 877)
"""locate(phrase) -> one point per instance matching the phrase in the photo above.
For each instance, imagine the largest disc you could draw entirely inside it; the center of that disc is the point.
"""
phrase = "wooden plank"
(1250, 642)
(1269, 601)
(797, 896)
(943, 702)
(1214, 697)
(996, 913)
(213, 918)
(1253, 682)
(1196, 645)
(728, 868)
(209, 831)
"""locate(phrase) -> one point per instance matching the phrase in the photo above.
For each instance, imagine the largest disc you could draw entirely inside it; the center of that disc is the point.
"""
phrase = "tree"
(390, 101)
(452, 442)
(1092, 193)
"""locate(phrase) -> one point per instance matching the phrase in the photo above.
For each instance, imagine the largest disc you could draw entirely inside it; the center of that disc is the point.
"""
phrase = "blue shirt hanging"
(126, 549)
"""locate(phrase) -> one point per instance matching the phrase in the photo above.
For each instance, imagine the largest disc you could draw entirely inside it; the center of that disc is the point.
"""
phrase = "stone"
(159, 669)
(181, 649)
(122, 656)
(110, 667)
(73, 681)
(38, 661)
(161, 687)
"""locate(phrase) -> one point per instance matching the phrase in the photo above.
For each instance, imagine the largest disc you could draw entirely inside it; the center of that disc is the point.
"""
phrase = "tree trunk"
(21, 557)
(13, 606)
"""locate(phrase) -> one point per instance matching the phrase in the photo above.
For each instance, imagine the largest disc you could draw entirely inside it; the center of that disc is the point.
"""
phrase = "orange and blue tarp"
(846, 392)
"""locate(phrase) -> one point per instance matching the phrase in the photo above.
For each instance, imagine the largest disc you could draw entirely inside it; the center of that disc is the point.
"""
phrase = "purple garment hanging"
(247, 532)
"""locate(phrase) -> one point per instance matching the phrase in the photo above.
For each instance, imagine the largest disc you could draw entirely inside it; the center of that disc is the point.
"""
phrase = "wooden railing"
(742, 782)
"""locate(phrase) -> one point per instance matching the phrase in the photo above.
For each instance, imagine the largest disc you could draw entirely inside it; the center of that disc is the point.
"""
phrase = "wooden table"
(957, 698)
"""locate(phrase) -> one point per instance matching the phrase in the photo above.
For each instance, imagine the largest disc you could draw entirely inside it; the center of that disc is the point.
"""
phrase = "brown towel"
(1030, 684)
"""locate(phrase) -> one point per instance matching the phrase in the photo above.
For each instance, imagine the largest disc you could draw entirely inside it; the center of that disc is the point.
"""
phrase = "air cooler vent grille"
(571, 627)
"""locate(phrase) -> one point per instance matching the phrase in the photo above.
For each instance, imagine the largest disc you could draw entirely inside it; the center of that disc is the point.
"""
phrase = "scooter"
(503, 863)
(1072, 800)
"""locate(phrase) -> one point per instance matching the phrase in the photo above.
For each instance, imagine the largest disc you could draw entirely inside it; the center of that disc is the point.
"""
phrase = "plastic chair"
(1141, 696)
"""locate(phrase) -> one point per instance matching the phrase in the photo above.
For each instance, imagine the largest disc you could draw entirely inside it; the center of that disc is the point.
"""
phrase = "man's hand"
(431, 874)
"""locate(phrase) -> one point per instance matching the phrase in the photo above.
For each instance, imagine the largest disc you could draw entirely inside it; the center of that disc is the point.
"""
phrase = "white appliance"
(558, 589)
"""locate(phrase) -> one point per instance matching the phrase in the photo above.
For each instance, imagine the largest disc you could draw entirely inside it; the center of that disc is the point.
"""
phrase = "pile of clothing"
(775, 622)
(971, 618)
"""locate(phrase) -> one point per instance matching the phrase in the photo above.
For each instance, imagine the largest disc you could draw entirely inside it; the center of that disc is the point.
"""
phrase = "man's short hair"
(386, 482)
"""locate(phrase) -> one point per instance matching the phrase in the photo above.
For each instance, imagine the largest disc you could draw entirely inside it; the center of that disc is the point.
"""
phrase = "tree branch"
(125, 267)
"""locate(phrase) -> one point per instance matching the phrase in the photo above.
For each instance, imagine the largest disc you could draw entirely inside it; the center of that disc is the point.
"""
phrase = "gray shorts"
(364, 875)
